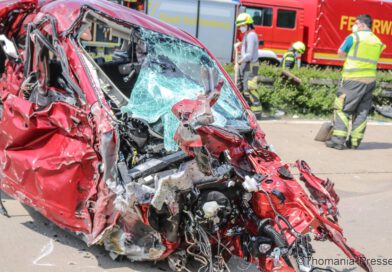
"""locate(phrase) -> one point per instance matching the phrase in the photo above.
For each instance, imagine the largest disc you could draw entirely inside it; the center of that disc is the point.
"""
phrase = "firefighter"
(249, 63)
(362, 49)
(296, 50)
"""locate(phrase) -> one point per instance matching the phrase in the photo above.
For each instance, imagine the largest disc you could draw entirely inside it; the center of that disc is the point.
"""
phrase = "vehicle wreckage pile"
(151, 152)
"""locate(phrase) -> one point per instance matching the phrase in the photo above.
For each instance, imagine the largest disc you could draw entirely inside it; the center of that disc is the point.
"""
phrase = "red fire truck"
(321, 24)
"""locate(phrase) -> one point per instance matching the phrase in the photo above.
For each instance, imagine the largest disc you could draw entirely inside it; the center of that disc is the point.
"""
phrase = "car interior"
(115, 52)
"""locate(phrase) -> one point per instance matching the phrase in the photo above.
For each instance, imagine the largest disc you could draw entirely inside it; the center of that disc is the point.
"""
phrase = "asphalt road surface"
(363, 179)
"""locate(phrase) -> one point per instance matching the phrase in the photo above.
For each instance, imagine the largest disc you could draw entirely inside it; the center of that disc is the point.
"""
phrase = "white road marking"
(45, 251)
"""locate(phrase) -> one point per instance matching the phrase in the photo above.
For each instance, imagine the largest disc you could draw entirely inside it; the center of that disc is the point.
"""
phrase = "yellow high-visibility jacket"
(361, 60)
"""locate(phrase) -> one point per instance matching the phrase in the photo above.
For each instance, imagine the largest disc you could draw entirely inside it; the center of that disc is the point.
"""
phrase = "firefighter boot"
(335, 144)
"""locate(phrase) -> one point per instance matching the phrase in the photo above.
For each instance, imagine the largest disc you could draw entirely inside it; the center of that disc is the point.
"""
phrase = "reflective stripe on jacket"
(361, 60)
(288, 60)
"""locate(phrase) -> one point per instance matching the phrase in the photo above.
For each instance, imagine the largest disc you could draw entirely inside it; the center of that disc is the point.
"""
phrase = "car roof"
(67, 12)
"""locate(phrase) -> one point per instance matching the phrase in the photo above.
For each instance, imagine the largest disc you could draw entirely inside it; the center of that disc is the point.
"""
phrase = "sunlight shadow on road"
(374, 145)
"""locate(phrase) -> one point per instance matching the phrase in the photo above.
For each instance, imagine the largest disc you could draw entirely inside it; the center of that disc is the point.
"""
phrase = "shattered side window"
(171, 71)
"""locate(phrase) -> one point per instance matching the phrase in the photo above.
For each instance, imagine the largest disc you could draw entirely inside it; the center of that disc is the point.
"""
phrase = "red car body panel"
(18, 9)
(54, 171)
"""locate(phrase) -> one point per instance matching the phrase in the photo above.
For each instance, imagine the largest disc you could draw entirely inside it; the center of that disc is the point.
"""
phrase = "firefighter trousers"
(247, 84)
(353, 100)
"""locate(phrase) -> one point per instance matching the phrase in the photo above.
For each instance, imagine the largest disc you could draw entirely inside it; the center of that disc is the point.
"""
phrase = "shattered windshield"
(154, 72)
(172, 71)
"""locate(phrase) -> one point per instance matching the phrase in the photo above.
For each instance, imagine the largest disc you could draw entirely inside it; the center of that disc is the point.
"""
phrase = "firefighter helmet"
(299, 47)
(244, 19)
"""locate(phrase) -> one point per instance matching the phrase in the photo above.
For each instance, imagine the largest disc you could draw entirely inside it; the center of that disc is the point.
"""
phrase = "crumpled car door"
(47, 155)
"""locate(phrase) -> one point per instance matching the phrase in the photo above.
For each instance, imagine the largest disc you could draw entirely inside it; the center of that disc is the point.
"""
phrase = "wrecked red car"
(127, 132)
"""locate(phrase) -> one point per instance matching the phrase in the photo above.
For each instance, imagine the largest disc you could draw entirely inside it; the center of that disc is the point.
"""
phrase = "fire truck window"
(286, 18)
(261, 16)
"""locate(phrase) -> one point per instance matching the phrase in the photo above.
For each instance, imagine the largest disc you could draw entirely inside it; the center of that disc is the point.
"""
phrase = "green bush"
(306, 98)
